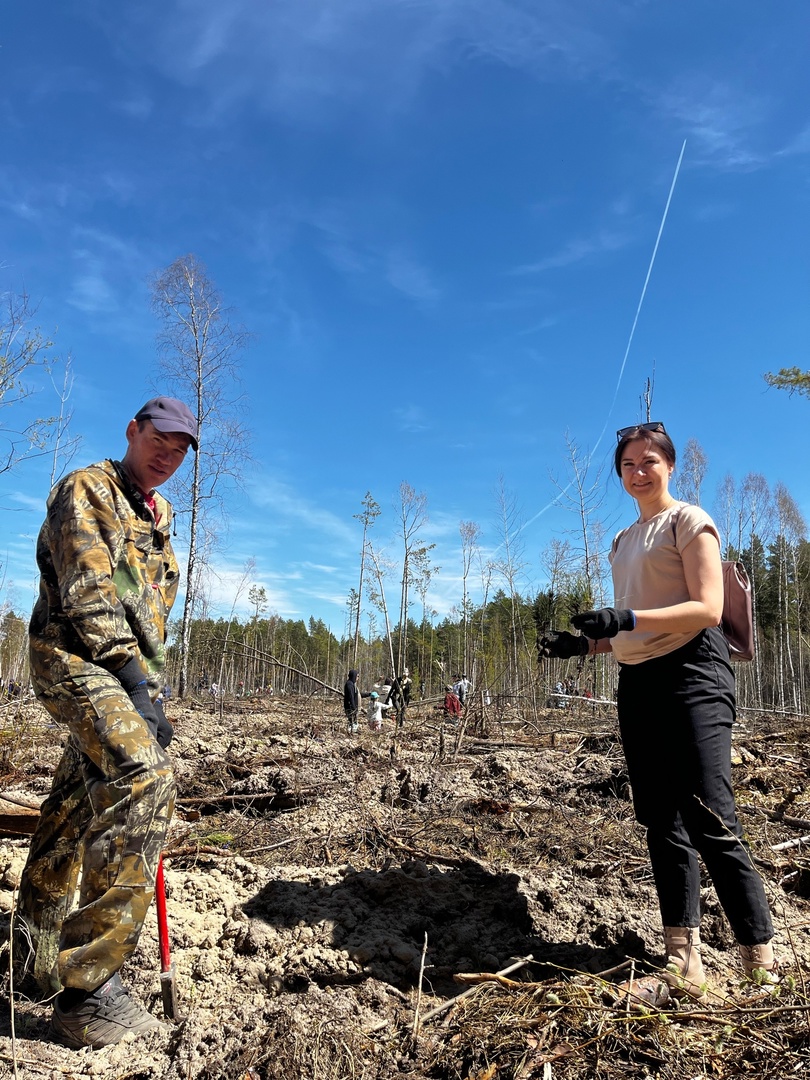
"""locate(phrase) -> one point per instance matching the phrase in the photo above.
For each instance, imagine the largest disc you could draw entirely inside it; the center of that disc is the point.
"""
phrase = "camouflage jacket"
(108, 579)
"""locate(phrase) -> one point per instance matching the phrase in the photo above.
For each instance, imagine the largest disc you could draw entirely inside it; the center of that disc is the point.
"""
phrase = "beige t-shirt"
(648, 573)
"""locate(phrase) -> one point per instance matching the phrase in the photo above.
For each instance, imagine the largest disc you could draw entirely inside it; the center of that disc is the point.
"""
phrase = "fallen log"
(775, 815)
(18, 822)
(18, 817)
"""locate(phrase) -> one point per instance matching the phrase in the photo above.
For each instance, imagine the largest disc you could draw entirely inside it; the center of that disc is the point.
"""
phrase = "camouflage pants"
(90, 874)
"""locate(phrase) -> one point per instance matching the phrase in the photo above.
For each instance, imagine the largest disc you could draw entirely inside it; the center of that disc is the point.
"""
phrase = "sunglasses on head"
(653, 425)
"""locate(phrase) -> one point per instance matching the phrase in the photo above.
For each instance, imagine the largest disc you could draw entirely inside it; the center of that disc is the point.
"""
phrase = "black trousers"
(675, 716)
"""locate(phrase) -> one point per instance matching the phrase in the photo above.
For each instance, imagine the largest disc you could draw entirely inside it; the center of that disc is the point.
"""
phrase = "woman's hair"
(659, 439)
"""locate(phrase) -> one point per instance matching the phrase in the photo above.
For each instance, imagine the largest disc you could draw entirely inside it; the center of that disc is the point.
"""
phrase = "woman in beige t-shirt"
(676, 704)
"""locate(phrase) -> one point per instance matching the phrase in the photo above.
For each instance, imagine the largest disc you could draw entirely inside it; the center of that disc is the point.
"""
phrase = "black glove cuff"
(626, 618)
(131, 675)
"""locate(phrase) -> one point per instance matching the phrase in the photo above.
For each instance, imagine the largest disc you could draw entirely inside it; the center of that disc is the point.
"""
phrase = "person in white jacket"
(376, 710)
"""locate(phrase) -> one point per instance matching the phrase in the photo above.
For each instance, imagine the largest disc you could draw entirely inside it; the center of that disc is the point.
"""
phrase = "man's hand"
(165, 732)
(604, 623)
(560, 645)
(133, 681)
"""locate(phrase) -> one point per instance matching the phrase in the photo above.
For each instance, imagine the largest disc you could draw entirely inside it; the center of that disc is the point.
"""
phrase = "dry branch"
(260, 800)
(775, 815)
(260, 654)
(479, 978)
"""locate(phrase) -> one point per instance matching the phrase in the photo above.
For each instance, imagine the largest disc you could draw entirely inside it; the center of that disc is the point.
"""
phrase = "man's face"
(153, 456)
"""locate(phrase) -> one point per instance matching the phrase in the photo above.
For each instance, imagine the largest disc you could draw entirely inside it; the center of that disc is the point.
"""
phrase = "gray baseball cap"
(168, 414)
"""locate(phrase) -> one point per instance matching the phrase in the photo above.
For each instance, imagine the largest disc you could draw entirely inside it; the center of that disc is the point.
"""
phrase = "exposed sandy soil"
(298, 916)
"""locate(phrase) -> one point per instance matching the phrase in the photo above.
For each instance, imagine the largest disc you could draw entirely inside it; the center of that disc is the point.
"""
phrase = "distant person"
(406, 683)
(108, 579)
(375, 711)
(400, 695)
(452, 705)
(351, 701)
(463, 688)
(672, 654)
(383, 688)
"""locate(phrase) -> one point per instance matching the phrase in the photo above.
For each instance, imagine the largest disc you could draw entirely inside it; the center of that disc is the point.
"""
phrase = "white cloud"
(288, 505)
(720, 120)
(412, 418)
(91, 292)
(28, 502)
(575, 251)
(21, 209)
(408, 276)
(307, 56)
(800, 144)
(226, 591)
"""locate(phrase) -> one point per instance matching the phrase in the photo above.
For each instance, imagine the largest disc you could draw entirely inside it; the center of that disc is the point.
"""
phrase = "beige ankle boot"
(759, 963)
(684, 970)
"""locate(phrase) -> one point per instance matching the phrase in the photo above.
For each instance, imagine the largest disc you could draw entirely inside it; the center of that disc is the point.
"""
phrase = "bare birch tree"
(791, 529)
(412, 518)
(23, 349)
(371, 511)
(583, 494)
(470, 541)
(728, 514)
(199, 349)
(378, 597)
(511, 568)
(757, 511)
(691, 472)
(64, 444)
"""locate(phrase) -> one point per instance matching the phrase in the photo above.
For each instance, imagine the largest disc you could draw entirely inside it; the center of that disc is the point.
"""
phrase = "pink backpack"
(737, 622)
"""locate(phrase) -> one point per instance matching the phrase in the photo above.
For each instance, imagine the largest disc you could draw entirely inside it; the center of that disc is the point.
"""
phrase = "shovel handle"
(163, 925)
(168, 983)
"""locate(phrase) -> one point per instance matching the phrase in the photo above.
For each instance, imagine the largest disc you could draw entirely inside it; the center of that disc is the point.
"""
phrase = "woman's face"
(645, 471)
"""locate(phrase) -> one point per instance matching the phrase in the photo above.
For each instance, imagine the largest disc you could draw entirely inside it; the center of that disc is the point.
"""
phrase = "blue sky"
(436, 217)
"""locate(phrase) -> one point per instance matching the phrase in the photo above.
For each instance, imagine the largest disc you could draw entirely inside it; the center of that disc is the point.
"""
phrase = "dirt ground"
(327, 890)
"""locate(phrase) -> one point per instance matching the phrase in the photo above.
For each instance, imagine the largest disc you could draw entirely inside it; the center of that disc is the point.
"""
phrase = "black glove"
(604, 623)
(165, 731)
(560, 645)
(133, 680)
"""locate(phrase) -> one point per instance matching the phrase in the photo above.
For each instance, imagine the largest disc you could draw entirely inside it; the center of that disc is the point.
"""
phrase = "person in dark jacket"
(351, 701)
(400, 695)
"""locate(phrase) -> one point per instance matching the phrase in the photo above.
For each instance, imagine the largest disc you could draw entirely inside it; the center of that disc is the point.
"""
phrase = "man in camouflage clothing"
(108, 580)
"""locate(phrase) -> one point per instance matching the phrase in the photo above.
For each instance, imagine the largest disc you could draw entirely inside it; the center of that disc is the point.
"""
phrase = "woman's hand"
(561, 645)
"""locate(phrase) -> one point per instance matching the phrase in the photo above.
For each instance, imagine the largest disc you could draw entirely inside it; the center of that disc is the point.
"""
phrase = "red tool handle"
(163, 926)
